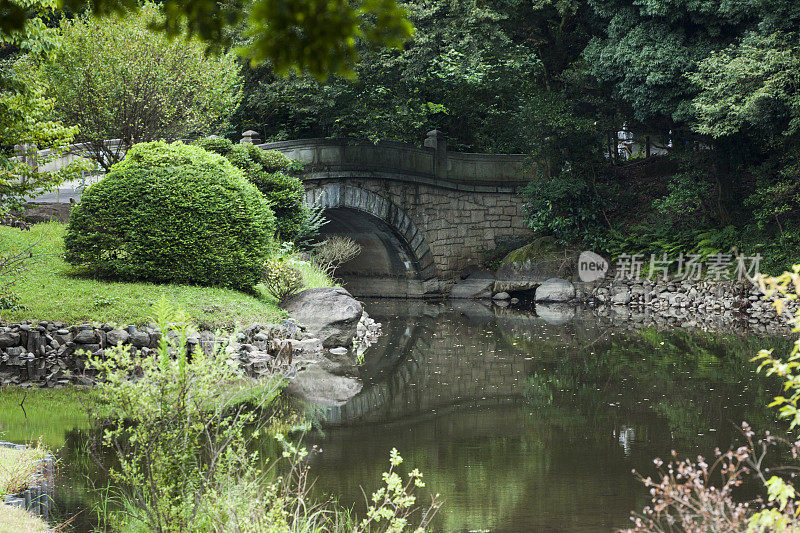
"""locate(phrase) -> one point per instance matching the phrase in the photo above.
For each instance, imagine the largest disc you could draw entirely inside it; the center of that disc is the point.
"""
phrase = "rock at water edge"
(555, 290)
(473, 288)
(328, 313)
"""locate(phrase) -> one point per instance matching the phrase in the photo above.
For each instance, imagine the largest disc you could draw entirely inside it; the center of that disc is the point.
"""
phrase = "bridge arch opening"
(383, 254)
(395, 259)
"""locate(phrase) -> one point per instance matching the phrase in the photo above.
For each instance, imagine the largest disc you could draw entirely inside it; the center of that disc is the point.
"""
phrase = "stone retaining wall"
(38, 497)
(689, 303)
(51, 354)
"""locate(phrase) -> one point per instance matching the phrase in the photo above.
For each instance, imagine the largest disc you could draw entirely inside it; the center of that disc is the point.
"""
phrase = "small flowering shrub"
(178, 432)
(685, 499)
(282, 279)
(394, 504)
(9, 301)
(698, 496)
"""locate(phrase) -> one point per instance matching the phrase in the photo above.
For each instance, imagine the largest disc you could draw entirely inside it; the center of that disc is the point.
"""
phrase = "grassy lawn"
(15, 520)
(52, 290)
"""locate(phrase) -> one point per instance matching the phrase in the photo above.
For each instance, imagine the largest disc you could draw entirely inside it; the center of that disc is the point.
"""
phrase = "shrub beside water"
(281, 279)
(173, 213)
(270, 171)
(335, 251)
(183, 439)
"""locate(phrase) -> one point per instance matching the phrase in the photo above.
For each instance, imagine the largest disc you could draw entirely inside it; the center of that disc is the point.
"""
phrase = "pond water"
(525, 425)
(521, 424)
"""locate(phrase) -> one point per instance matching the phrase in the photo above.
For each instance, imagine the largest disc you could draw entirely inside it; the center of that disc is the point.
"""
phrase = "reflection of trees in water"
(434, 358)
(80, 482)
(59, 418)
(588, 404)
(499, 467)
(689, 388)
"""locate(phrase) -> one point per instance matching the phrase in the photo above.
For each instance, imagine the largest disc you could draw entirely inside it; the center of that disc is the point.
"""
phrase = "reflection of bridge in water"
(431, 361)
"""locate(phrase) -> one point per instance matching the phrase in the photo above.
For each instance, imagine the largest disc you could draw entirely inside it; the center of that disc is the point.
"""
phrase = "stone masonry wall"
(459, 226)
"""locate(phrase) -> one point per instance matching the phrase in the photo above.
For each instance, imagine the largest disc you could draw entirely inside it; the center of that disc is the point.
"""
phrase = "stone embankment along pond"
(684, 303)
(689, 303)
(51, 354)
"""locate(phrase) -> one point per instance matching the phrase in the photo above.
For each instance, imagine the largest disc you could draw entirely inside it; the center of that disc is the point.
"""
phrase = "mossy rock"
(537, 261)
(539, 248)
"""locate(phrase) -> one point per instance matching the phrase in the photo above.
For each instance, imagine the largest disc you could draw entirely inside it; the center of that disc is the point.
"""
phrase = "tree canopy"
(711, 86)
(116, 79)
(26, 111)
(315, 36)
(462, 71)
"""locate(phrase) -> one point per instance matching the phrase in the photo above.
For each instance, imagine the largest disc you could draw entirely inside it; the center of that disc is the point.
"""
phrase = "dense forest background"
(711, 86)
(707, 88)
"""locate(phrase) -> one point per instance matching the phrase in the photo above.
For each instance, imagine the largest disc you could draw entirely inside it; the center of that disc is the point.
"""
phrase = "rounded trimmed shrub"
(173, 213)
(270, 171)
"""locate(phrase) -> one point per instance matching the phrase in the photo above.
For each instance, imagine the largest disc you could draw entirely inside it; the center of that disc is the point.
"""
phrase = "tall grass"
(16, 520)
(313, 276)
(17, 467)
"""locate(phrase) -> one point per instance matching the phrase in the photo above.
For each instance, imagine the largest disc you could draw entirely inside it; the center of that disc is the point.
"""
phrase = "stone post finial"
(434, 139)
(250, 137)
(438, 141)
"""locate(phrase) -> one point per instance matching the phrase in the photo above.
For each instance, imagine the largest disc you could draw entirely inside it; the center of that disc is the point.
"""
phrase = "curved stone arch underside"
(334, 195)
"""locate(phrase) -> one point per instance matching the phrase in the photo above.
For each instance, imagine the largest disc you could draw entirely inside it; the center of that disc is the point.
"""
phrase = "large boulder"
(541, 259)
(329, 313)
(555, 290)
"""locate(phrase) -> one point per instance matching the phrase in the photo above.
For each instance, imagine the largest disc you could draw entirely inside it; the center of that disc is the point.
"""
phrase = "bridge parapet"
(343, 158)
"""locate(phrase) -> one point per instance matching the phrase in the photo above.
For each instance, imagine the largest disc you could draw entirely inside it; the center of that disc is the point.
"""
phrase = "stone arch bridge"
(421, 214)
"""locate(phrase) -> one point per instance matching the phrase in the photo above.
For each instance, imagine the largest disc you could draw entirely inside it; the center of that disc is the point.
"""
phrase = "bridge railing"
(434, 162)
(344, 154)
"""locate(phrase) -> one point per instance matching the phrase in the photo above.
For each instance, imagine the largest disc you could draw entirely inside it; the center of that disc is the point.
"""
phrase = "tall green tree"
(461, 72)
(117, 79)
(316, 36)
(750, 91)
